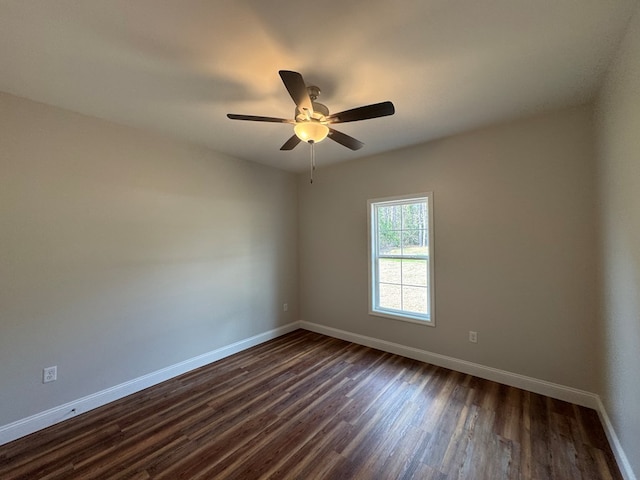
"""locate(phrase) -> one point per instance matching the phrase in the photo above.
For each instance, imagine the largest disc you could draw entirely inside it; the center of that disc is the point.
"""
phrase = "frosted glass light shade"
(311, 131)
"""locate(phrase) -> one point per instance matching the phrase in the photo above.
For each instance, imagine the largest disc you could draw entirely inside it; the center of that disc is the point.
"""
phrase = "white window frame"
(427, 319)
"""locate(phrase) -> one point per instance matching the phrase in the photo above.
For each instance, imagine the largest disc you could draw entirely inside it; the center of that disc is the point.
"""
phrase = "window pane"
(414, 272)
(389, 270)
(390, 296)
(389, 234)
(389, 242)
(414, 242)
(414, 216)
(390, 217)
(414, 299)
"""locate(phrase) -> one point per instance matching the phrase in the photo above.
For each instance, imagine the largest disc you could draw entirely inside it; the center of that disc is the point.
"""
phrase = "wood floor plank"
(306, 406)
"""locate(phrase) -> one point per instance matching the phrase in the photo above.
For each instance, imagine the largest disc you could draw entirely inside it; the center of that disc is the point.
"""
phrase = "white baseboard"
(25, 426)
(614, 441)
(554, 390)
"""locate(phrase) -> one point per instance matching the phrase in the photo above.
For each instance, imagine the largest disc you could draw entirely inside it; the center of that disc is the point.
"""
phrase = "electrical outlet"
(473, 336)
(285, 307)
(49, 374)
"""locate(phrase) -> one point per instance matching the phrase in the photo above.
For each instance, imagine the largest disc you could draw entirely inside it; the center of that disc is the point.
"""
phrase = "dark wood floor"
(306, 406)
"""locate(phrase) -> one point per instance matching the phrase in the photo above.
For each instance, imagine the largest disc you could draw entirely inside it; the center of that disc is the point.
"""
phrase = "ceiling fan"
(312, 120)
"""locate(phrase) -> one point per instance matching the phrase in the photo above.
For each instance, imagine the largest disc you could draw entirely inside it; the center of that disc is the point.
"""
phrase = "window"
(401, 258)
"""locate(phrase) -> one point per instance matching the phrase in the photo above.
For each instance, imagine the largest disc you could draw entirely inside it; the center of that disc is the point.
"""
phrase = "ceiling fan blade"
(344, 139)
(291, 143)
(296, 87)
(256, 118)
(375, 110)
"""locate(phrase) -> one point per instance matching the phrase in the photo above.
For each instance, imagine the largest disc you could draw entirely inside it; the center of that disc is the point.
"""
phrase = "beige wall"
(619, 174)
(514, 245)
(122, 252)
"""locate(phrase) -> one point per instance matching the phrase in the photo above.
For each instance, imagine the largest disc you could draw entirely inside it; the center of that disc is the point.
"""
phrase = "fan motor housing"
(320, 111)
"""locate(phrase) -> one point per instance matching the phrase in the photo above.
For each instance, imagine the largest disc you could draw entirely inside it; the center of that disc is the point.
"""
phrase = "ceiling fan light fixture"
(311, 131)
(311, 119)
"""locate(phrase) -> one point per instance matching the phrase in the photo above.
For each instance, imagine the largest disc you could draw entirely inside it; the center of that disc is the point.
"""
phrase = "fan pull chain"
(313, 160)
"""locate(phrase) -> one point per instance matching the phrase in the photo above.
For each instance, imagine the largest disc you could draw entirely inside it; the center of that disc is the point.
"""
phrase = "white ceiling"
(178, 66)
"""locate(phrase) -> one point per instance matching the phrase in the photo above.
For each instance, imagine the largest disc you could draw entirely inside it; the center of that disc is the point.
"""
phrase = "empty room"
(320, 240)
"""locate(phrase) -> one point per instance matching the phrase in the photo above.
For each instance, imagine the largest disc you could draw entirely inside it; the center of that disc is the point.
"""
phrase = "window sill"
(424, 323)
